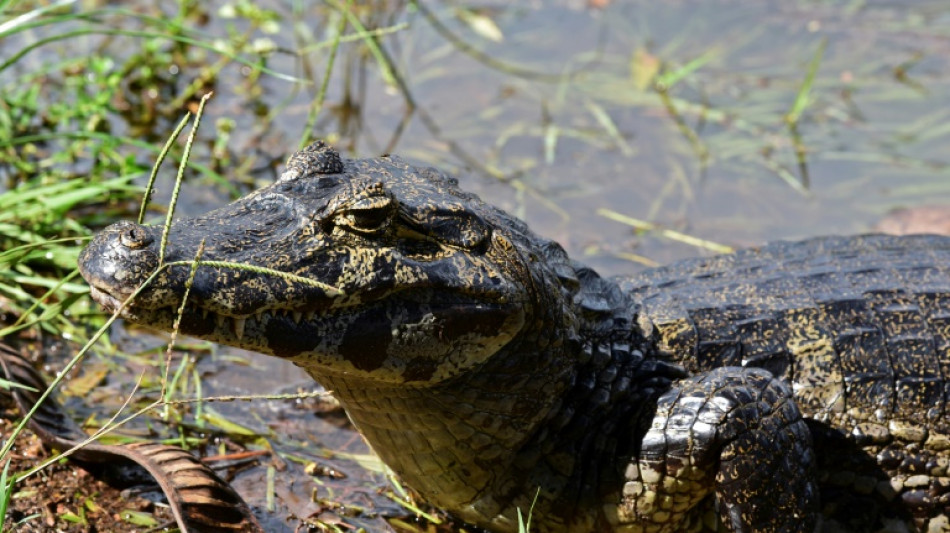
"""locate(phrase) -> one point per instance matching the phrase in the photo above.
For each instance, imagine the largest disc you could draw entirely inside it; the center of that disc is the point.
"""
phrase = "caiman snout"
(118, 260)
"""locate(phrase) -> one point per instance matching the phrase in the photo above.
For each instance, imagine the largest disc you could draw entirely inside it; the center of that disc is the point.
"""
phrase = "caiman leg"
(733, 431)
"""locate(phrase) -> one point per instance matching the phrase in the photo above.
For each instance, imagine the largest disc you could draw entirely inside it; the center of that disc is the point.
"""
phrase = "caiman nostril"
(135, 237)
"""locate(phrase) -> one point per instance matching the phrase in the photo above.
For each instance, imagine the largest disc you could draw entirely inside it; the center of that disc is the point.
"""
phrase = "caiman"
(795, 387)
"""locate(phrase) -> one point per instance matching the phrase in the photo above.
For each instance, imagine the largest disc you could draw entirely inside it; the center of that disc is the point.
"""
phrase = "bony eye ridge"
(367, 214)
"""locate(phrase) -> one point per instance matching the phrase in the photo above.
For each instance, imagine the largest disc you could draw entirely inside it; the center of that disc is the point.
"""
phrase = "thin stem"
(180, 177)
(158, 163)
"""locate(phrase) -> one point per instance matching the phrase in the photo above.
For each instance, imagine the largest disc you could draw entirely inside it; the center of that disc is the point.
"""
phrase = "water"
(713, 157)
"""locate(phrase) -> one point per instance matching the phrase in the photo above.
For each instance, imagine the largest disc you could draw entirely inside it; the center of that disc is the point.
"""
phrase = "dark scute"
(465, 321)
(366, 343)
(292, 338)
(192, 324)
(420, 369)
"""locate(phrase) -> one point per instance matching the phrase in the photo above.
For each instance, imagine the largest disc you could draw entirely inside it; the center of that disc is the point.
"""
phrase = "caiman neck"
(552, 409)
(454, 441)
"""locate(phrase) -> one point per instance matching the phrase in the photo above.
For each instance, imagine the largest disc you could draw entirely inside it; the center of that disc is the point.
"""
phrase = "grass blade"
(667, 80)
(802, 99)
(158, 163)
(179, 178)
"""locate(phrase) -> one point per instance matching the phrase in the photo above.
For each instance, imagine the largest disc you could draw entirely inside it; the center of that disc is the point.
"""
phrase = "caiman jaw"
(108, 302)
(122, 257)
(227, 305)
(426, 284)
(119, 260)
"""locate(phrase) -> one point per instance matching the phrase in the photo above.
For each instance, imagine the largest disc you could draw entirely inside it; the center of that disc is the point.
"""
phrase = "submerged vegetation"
(694, 125)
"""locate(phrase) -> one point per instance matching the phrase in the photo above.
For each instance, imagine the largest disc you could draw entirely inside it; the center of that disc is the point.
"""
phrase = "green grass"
(524, 520)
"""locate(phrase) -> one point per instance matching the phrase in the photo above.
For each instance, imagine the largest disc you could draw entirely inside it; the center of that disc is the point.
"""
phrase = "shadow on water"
(732, 121)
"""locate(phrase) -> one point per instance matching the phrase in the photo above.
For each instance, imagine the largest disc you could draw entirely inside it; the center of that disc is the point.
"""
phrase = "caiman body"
(794, 387)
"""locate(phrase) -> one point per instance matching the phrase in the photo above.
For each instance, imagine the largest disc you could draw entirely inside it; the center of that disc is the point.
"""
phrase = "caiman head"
(417, 281)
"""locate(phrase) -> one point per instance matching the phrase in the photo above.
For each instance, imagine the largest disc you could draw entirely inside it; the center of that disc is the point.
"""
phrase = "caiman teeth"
(238, 324)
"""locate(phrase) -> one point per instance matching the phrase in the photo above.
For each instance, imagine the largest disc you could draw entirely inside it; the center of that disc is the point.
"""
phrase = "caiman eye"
(367, 215)
(135, 237)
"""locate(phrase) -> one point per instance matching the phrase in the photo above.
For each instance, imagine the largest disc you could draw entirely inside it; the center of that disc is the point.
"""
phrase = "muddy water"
(570, 122)
(563, 114)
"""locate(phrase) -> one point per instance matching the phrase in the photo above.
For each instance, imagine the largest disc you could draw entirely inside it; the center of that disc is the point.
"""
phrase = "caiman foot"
(727, 450)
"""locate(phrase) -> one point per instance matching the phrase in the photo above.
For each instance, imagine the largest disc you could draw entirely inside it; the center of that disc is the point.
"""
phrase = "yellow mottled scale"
(859, 327)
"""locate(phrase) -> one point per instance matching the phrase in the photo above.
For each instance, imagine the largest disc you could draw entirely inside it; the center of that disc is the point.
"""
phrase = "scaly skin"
(486, 368)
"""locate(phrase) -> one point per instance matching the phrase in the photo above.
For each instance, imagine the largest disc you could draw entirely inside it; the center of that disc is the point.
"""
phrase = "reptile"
(794, 387)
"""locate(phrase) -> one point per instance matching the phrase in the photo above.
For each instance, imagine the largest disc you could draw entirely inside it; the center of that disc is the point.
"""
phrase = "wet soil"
(69, 498)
